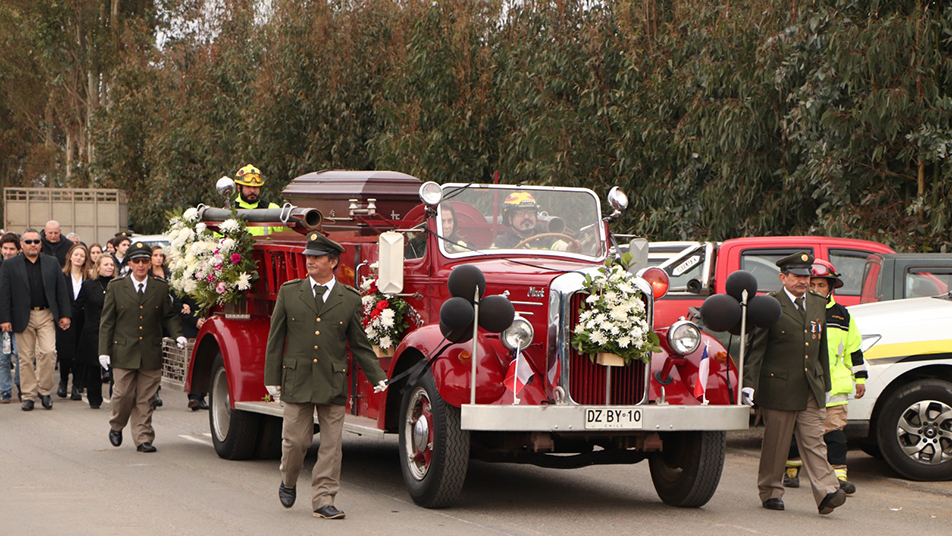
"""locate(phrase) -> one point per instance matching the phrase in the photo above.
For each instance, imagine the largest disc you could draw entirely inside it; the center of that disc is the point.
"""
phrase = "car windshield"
(481, 219)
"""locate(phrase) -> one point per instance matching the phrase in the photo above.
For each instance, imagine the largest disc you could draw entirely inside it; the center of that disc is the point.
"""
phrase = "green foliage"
(751, 117)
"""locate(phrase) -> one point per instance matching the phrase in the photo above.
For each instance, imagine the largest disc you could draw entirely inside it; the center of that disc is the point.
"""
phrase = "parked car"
(894, 276)
(151, 240)
(906, 415)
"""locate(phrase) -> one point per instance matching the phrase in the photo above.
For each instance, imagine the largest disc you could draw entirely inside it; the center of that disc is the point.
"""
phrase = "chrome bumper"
(572, 418)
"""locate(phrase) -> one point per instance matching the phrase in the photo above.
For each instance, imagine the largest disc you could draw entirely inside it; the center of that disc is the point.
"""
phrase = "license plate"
(621, 418)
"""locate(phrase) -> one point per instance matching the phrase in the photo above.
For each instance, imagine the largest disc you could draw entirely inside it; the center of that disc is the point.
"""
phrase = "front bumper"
(496, 418)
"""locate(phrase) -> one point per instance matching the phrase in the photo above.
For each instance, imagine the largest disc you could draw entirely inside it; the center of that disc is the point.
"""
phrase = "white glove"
(273, 390)
(747, 396)
(104, 361)
(381, 386)
(181, 342)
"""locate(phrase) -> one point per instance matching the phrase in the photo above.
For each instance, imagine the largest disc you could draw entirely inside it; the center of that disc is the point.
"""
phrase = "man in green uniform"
(249, 183)
(130, 340)
(788, 375)
(313, 323)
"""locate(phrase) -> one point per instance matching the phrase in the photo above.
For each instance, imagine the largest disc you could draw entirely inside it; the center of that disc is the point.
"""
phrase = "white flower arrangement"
(212, 268)
(613, 318)
(385, 317)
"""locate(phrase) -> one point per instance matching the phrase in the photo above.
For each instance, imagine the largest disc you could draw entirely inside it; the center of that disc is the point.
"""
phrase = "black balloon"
(739, 281)
(464, 280)
(456, 313)
(763, 311)
(496, 313)
(735, 330)
(720, 312)
(458, 335)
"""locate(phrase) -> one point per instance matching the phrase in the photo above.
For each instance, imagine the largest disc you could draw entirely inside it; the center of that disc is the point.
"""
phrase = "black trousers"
(92, 380)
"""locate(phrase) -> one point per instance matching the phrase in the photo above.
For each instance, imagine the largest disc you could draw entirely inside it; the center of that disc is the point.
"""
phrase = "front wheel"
(915, 430)
(434, 451)
(234, 432)
(686, 472)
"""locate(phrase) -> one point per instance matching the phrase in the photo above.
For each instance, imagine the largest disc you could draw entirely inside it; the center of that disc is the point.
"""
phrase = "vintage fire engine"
(571, 413)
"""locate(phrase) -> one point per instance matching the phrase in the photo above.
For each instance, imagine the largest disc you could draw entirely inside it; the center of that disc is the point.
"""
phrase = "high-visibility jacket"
(846, 359)
(258, 231)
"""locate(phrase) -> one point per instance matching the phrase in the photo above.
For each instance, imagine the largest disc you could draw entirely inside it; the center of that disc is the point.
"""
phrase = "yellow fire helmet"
(519, 200)
(249, 176)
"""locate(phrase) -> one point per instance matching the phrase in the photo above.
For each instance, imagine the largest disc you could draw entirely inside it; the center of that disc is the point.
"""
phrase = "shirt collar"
(136, 283)
(329, 284)
(793, 299)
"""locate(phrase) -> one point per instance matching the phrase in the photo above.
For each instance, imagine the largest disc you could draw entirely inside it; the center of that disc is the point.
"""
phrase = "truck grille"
(587, 379)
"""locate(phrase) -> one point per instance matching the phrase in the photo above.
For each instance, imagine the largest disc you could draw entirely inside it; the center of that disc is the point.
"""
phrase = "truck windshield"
(490, 219)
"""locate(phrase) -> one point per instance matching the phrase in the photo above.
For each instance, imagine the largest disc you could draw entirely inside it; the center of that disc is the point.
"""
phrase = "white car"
(906, 415)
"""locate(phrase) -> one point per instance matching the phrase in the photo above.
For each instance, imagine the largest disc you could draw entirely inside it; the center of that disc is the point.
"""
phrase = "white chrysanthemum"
(624, 342)
(386, 318)
(619, 313)
(228, 245)
(592, 298)
(386, 342)
(599, 338)
(244, 281)
(200, 228)
(190, 215)
(367, 300)
(229, 226)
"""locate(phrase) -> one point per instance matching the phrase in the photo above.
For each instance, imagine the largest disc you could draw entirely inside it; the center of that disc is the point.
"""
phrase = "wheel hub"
(421, 434)
(921, 432)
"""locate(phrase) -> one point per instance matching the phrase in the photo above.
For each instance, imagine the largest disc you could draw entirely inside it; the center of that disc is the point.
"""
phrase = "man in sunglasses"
(33, 296)
(130, 340)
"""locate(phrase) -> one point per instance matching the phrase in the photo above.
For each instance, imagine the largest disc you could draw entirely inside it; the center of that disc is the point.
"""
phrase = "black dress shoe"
(74, 394)
(329, 512)
(202, 404)
(146, 447)
(46, 401)
(157, 402)
(27, 405)
(115, 437)
(61, 392)
(287, 495)
(832, 500)
(92, 406)
(773, 504)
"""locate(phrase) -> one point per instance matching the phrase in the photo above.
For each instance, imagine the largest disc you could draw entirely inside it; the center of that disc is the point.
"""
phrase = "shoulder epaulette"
(350, 288)
(290, 281)
(119, 278)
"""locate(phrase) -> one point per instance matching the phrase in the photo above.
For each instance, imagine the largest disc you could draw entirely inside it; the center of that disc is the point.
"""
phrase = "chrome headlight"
(683, 337)
(431, 193)
(518, 335)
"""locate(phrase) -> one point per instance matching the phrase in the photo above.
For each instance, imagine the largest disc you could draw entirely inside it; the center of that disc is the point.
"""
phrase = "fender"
(684, 374)
(451, 370)
(242, 344)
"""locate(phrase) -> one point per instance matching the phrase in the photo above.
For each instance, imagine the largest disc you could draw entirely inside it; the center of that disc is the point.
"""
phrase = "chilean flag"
(518, 375)
(703, 370)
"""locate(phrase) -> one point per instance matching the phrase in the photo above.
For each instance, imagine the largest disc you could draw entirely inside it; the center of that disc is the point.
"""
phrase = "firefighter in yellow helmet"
(249, 184)
(521, 213)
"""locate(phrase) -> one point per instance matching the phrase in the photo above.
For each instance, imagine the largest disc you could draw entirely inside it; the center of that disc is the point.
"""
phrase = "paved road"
(60, 476)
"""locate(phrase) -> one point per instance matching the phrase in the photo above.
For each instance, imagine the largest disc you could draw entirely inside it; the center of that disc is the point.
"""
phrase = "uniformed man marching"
(313, 323)
(788, 375)
(130, 340)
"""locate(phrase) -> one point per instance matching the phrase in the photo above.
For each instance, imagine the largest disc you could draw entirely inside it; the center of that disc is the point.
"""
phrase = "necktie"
(319, 291)
(141, 289)
(803, 311)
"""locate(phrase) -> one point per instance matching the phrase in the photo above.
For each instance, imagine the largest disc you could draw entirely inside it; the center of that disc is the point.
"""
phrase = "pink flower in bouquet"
(235, 258)
(210, 278)
(221, 288)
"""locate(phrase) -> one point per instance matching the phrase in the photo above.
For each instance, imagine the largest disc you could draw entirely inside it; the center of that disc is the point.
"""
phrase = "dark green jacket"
(130, 330)
(307, 349)
(787, 362)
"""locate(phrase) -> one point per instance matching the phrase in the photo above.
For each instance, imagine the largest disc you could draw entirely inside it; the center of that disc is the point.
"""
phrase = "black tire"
(870, 447)
(434, 451)
(234, 432)
(269, 444)
(686, 472)
(915, 430)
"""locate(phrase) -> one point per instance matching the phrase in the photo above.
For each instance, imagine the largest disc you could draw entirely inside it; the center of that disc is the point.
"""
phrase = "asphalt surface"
(59, 475)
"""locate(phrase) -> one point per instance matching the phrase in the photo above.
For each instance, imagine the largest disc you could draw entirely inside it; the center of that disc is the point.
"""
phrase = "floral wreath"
(385, 317)
(212, 268)
(613, 317)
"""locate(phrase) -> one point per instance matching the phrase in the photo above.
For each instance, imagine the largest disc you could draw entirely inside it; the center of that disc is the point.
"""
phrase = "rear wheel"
(234, 432)
(686, 472)
(434, 451)
(915, 430)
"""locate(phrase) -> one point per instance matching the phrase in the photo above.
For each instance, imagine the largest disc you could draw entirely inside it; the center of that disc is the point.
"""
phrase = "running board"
(362, 426)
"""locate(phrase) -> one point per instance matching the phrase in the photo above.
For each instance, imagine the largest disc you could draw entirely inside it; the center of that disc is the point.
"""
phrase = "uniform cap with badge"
(138, 251)
(800, 263)
(318, 244)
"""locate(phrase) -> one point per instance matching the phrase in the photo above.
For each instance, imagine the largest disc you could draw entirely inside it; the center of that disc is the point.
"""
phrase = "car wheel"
(915, 430)
(686, 472)
(234, 432)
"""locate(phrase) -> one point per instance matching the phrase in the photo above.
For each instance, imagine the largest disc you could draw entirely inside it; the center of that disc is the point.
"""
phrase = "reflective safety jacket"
(846, 359)
(258, 231)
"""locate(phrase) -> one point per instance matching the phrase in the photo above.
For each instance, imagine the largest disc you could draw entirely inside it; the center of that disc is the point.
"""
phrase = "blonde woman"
(76, 271)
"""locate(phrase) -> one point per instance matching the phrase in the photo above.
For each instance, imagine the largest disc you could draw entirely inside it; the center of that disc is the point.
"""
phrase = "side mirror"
(390, 262)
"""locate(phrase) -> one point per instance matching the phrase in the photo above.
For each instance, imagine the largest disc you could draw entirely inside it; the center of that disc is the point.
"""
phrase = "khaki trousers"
(37, 343)
(297, 434)
(778, 427)
(132, 395)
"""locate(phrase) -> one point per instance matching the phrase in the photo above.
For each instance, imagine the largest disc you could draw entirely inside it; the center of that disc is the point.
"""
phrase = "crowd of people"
(52, 292)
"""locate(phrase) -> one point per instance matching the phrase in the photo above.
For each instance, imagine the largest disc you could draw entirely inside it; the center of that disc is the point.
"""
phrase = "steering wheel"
(539, 236)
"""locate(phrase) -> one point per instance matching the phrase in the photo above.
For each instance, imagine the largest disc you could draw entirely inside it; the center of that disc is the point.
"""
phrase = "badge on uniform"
(815, 329)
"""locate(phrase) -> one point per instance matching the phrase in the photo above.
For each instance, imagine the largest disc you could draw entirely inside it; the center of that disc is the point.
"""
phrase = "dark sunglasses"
(33, 242)
(140, 260)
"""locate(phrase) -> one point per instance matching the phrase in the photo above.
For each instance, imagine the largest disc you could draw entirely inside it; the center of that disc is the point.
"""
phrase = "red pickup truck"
(699, 269)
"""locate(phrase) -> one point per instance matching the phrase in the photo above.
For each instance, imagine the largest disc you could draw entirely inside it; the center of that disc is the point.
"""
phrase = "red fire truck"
(571, 413)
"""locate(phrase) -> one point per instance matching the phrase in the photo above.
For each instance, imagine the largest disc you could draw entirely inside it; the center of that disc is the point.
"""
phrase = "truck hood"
(900, 328)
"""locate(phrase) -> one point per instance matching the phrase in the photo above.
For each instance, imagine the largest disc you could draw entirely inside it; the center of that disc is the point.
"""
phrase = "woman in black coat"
(75, 272)
(91, 299)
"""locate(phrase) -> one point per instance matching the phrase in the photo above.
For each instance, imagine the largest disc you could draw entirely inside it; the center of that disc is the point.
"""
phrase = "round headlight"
(431, 193)
(518, 335)
(683, 337)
